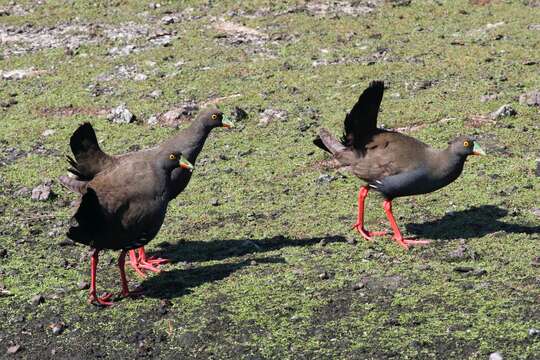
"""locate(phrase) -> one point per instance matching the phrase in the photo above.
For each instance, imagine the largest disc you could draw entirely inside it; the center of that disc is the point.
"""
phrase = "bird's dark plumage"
(394, 164)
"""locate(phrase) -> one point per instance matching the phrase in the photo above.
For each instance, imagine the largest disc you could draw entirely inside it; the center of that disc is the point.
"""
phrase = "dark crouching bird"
(90, 160)
(392, 163)
(123, 208)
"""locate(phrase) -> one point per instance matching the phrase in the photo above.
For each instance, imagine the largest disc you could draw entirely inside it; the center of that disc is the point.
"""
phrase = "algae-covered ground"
(264, 262)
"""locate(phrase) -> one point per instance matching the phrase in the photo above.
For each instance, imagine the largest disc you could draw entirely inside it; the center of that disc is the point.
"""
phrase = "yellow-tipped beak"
(227, 122)
(185, 164)
(477, 150)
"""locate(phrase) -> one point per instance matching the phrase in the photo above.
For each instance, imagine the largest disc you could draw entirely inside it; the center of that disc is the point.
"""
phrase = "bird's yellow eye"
(214, 116)
(466, 143)
(172, 157)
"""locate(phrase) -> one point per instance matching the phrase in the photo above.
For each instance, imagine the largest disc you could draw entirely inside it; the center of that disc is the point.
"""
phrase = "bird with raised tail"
(89, 160)
(391, 163)
(123, 208)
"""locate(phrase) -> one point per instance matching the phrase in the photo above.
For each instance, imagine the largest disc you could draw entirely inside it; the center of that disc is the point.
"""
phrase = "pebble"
(214, 202)
(37, 300)
(325, 178)
(58, 328)
(13, 349)
(532, 98)
(495, 356)
(504, 111)
(41, 192)
(121, 115)
(324, 275)
(534, 332)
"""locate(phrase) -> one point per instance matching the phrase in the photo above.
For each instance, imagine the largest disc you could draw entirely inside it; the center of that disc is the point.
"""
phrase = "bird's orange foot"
(368, 235)
(100, 301)
(157, 261)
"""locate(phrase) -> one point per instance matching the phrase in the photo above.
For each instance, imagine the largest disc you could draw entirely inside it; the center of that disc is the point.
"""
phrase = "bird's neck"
(191, 140)
(449, 164)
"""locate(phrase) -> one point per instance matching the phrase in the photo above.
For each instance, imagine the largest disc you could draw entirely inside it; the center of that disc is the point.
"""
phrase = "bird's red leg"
(93, 298)
(362, 194)
(152, 259)
(123, 280)
(134, 262)
(398, 237)
(147, 264)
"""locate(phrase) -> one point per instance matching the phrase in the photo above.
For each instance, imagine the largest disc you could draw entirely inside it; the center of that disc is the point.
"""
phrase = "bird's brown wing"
(389, 153)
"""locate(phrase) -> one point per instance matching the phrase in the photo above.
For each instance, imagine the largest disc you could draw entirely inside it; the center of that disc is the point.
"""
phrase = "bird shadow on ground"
(175, 283)
(196, 251)
(474, 222)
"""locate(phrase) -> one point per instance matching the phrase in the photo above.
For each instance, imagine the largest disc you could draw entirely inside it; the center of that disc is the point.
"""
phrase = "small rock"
(41, 192)
(19, 74)
(325, 178)
(253, 262)
(324, 275)
(489, 97)
(534, 27)
(351, 240)
(140, 77)
(48, 132)
(58, 328)
(239, 114)
(534, 332)
(532, 98)
(270, 115)
(37, 300)
(83, 285)
(537, 172)
(3, 253)
(155, 94)
(479, 272)
(323, 242)
(167, 20)
(121, 115)
(214, 202)
(503, 111)
(535, 262)
(495, 356)
(358, 286)
(13, 349)
(154, 6)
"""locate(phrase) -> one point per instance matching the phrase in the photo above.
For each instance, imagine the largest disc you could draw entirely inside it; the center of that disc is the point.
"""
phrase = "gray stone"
(532, 98)
(503, 111)
(495, 356)
(41, 192)
(121, 115)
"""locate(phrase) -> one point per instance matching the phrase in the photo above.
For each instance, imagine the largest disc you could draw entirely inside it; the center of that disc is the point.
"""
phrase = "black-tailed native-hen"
(392, 163)
(89, 160)
(123, 208)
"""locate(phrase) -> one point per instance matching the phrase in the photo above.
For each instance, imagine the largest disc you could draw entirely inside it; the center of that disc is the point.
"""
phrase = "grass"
(245, 279)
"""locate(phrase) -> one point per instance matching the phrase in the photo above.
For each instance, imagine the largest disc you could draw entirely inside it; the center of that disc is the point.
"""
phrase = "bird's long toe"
(100, 300)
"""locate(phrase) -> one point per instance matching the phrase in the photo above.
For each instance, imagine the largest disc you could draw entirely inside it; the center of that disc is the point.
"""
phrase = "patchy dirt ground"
(263, 262)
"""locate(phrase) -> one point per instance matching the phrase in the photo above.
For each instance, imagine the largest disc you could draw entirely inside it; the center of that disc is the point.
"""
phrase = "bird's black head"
(212, 117)
(465, 146)
(172, 160)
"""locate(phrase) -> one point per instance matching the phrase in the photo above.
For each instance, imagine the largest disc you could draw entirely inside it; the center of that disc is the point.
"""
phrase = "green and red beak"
(477, 150)
(227, 122)
(185, 164)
